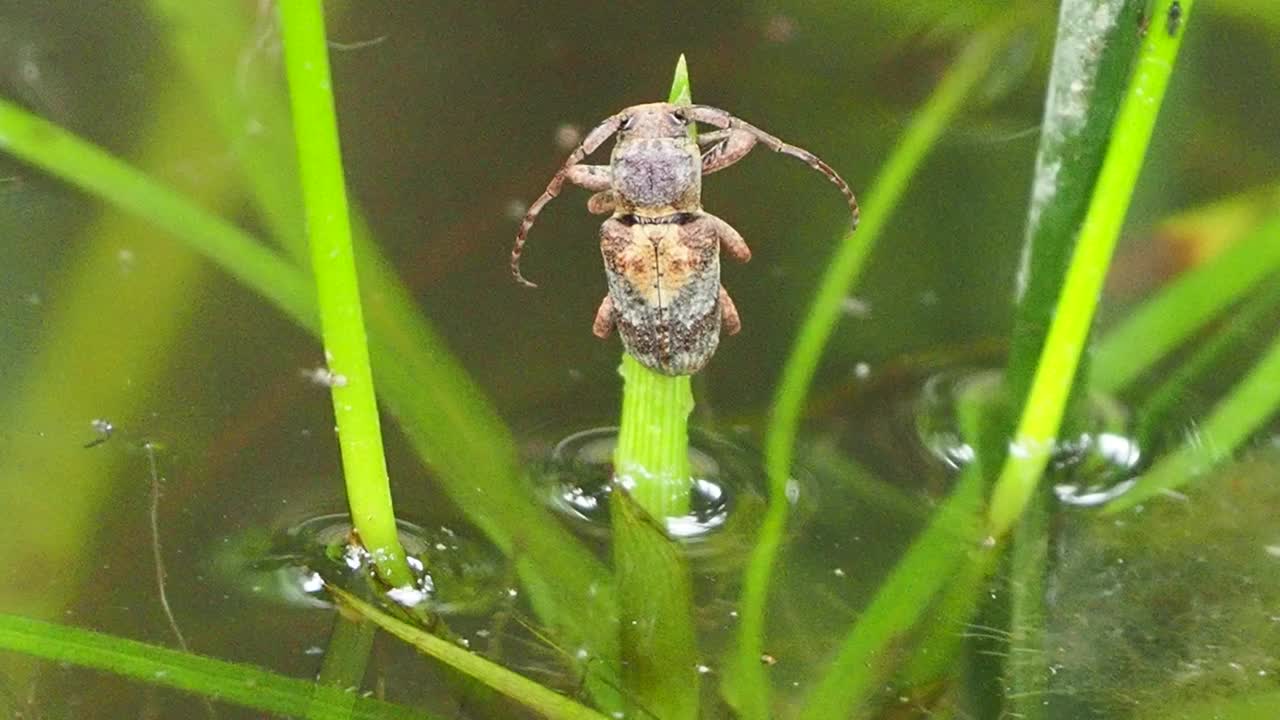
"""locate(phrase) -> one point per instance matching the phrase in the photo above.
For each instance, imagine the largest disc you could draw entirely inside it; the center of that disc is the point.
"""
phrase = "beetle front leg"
(603, 324)
(729, 318)
(602, 203)
(592, 177)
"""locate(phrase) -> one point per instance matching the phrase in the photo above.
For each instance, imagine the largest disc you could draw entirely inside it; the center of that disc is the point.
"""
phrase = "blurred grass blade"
(328, 230)
(66, 156)
(948, 553)
(542, 700)
(747, 683)
(864, 656)
(243, 685)
(1182, 308)
(220, 50)
(1234, 419)
(346, 660)
(1253, 318)
(1033, 441)
(101, 321)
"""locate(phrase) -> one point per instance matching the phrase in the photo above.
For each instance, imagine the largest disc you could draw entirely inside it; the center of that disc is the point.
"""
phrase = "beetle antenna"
(724, 121)
(593, 141)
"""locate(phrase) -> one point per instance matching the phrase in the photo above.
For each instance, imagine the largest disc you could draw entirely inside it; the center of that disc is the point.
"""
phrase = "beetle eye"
(625, 124)
(679, 118)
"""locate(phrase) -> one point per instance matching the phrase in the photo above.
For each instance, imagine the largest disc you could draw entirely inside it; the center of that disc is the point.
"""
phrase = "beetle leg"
(742, 136)
(715, 136)
(592, 177)
(730, 239)
(729, 313)
(604, 319)
(602, 203)
(590, 144)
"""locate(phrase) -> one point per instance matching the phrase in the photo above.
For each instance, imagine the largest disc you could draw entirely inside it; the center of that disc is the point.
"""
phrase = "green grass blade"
(1037, 430)
(1092, 57)
(547, 702)
(928, 565)
(355, 405)
(655, 595)
(346, 659)
(1253, 318)
(748, 683)
(240, 90)
(1243, 411)
(243, 685)
(936, 560)
(651, 458)
(64, 155)
(1174, 314)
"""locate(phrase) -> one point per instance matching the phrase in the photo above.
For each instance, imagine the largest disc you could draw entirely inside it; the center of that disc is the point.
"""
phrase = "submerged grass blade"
(659, 648)
(542, 700)
(1046, 402)
(936, 560)
(1234, 419)
(747, 685)
(243, 685)
(1253, 318)
(346, 351)
(928, 565)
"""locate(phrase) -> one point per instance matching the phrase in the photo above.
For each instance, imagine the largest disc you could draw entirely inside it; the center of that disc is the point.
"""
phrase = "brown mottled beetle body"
(661, 250)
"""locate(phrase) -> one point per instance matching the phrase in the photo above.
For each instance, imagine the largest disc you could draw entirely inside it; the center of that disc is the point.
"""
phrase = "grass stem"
(337, 290)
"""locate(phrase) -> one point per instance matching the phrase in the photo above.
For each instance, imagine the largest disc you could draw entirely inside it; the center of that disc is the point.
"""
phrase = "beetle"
(661, 250)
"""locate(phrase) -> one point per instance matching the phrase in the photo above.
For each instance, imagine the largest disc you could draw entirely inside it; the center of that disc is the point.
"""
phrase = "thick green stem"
(1037, 431)
(652, 456)
(337, 291)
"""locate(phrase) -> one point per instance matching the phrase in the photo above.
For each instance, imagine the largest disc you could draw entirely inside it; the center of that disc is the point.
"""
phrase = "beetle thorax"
(657, 175)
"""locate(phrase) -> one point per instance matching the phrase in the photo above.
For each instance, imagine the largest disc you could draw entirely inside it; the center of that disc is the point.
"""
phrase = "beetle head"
(653, 120)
